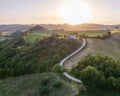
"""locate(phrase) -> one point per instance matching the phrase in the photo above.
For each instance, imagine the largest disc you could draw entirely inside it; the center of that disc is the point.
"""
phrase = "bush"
(45, 81)
(57, 84)
(57, 68)
(44, 91)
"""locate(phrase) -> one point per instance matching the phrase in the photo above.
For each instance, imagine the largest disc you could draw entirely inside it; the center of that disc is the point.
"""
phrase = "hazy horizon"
(105, 12)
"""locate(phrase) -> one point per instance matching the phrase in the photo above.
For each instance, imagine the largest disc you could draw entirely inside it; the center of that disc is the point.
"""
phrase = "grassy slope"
(32, 37)
(109, 46)
(99, 93)
(93, 33)
(115, 30)
(90, 33)
(29, 85)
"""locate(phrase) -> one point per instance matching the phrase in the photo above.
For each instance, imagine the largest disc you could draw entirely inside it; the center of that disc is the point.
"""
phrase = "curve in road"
(66, 58)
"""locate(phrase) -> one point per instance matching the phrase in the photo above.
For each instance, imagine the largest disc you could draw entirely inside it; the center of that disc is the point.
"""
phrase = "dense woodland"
(18, 58)
(98, 72)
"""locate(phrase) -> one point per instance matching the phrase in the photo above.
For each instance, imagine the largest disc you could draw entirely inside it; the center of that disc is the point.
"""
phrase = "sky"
(49, 11)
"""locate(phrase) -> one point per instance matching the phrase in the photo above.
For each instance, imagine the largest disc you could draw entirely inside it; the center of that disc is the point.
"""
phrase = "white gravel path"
(66, 58)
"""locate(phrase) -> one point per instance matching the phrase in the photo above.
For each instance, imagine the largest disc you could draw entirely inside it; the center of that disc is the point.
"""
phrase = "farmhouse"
(72, 36)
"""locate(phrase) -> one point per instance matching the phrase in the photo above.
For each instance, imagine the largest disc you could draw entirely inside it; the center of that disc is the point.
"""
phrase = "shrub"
(45, 81)
(44, 91)
(57, 84)
(57, 68)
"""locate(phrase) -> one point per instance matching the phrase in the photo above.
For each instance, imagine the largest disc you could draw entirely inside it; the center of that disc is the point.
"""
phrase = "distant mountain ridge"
(14, 27)
(86, 26)
(38, 28)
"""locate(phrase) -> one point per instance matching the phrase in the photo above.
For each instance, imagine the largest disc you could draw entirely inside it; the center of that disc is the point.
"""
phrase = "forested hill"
(19, 58)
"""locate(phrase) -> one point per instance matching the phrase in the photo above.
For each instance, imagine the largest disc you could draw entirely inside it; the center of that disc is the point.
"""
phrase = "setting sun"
(75, 12)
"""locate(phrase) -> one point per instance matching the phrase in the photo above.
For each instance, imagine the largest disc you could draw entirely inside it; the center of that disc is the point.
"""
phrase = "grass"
(99, 93)
(90, 33)
(110, 47)
(32, 37)
(115, 30)
(29, 85)
(93, 33)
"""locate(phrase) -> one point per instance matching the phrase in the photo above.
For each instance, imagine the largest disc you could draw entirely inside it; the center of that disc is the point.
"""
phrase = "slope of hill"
(30, 85)
(14, 27)
(38, 28)
(15, 56)
(109, 46)
(16, 34)
(34, 36)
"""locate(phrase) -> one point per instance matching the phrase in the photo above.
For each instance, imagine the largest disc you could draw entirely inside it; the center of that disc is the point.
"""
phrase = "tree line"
(16, 58)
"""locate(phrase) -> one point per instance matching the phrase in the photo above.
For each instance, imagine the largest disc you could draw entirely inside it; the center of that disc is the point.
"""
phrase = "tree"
(99, 72)
(57, 68)
(118, 84)
(111, 83)
(90, 76)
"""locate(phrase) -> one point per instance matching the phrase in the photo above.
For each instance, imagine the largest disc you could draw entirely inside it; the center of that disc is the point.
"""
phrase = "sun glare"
(75, 12)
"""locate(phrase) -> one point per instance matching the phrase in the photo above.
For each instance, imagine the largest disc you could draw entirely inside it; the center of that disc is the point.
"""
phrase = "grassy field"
(29, 85)
(109, 47)
(93, 33)
(32, 37)
(99, 93)
(115, 30)
(90, 33)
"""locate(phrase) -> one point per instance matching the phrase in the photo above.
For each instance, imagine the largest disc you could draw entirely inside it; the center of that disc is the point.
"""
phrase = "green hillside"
(94, 33)
(33, 37)
(38, 52)
(18, 58)
(30, 85)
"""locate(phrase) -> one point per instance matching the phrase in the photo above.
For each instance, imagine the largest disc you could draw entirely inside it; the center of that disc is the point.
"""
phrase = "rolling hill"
(109, 46)
(29, 85)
